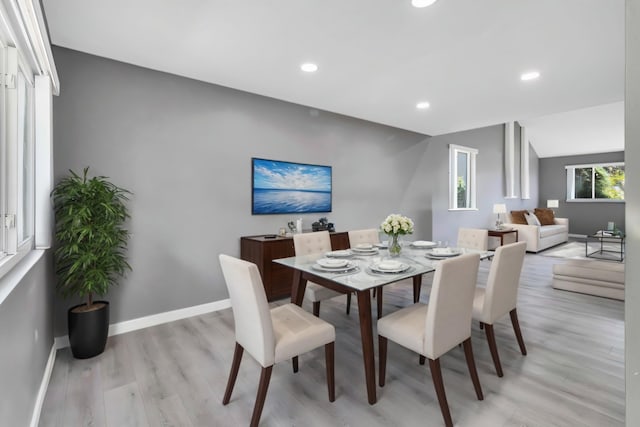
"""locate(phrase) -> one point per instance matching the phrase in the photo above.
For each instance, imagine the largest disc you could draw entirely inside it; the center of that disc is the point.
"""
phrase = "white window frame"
(12, 142)
(571, 181)
(472, 153)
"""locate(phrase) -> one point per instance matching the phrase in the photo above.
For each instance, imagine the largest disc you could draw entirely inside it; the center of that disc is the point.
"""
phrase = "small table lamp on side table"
(552, 204)
(499, 208)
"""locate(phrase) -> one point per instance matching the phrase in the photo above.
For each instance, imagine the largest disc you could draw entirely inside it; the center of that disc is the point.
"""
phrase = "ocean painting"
(285, 187)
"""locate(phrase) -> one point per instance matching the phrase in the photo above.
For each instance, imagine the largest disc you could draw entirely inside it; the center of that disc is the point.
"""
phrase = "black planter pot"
(88, 331)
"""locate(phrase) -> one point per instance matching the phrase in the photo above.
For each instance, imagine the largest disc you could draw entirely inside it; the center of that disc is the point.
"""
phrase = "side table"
(494, 232)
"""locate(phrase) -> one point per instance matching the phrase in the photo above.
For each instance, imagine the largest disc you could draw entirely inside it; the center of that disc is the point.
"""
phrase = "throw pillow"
(545, 216)
(532, 219)
(517, 217)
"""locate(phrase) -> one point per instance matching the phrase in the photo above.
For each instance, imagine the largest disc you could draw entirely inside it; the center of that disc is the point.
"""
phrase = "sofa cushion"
(550, 230)
(532, 219)
(545, 216)
(517, 217)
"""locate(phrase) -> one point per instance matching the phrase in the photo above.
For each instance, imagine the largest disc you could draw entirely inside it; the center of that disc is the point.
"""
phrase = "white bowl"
(364, 246)
(389, 265)
(332, 262)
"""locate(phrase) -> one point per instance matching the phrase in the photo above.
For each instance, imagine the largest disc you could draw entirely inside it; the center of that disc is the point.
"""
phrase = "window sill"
(18, 269)
(594, 201)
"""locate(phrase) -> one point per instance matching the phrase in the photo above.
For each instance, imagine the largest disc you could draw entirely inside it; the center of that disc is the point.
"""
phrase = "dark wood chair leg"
(316, 308)
(417, 285)
(379, 303)
(329, 361)
(235, 366)
(438, 384)
(374, 292)
(421, 359)
(349, 303)
(516, 328)
(265, 376)
(471, 364)
(491, 338)
(382, 358)
(294, 362)
(481, 326)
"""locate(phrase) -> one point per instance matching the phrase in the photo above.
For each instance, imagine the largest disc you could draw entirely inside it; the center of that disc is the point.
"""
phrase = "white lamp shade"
(552, 203)
(499, 208)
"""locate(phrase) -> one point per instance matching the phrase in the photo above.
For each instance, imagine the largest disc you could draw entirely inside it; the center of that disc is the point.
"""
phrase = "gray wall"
(490, 178)
(26, 337)
(184, 148)
(632, 164)
(584, 217)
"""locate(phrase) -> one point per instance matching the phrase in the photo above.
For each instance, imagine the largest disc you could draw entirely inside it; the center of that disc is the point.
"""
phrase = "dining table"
(364, 270)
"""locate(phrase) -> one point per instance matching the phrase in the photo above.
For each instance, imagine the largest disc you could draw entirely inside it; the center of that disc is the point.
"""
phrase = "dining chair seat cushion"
(298, 331)
(406, 326)
(315, 292)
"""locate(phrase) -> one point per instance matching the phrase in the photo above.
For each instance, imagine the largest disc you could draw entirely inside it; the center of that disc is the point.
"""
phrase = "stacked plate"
(441, 253)
(389, 266)
(340, 254)
(364, 249)
(334, 265)
(423, 244)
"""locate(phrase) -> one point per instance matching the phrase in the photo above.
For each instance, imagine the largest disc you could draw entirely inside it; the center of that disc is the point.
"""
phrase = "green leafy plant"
(91, 239)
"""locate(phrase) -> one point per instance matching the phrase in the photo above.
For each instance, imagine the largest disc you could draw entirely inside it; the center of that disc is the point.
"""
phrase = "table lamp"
(499, 208)
(552, 203)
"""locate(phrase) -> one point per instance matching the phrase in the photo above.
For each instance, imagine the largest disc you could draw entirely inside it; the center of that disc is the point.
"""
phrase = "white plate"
(338, 254)
(423, 244)
(359, 251)
(332, 262)
(389, 267)
(363, 246)
(443, 254)
(350, 266)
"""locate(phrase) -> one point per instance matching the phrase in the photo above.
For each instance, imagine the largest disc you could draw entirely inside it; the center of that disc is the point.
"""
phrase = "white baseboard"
(42, 392)
(154, 319)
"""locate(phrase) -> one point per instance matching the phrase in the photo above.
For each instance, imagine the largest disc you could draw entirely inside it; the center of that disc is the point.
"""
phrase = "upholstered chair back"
(251, 313)
(450, 304)
(311, 243)
(501, 292)
(473, 238)
(370, 235)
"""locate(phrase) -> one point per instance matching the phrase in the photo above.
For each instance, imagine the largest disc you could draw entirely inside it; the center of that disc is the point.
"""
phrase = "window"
(600, 182)
(462, 177)
(16, 157)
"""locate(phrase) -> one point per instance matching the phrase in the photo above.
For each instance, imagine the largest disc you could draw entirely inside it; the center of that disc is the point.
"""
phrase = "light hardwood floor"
(175, 374)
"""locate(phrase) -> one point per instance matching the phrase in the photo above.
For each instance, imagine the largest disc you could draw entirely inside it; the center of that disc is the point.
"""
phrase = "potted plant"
(90, 253)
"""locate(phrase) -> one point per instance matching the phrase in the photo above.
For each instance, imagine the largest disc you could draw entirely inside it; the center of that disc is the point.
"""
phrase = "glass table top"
(360, 272)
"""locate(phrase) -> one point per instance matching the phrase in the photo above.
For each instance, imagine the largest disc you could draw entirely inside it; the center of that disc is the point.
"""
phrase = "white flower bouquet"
(396, 224)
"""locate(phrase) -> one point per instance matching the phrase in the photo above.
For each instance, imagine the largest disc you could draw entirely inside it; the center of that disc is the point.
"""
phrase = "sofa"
(600, 278)
(540, 237)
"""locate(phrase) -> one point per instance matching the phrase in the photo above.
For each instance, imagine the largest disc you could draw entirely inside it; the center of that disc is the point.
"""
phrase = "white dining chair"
(270, 335)
(359, 237)
(369, 235)
(433, 329)
(473, 238)
(318, 242)
(500, 296)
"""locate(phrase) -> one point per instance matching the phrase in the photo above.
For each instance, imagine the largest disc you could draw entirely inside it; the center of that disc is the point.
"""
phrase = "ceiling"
(377, 59)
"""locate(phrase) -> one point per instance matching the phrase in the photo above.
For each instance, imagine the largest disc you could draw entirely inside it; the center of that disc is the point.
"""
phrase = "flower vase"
(394, 246)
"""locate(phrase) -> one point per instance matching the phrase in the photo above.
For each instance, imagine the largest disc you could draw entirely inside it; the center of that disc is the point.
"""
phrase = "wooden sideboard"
(277, 278)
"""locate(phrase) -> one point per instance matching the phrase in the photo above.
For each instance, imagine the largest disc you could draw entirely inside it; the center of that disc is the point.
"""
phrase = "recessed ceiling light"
(309, 67)
(422, 3)
(531, 75)
(422, 105)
